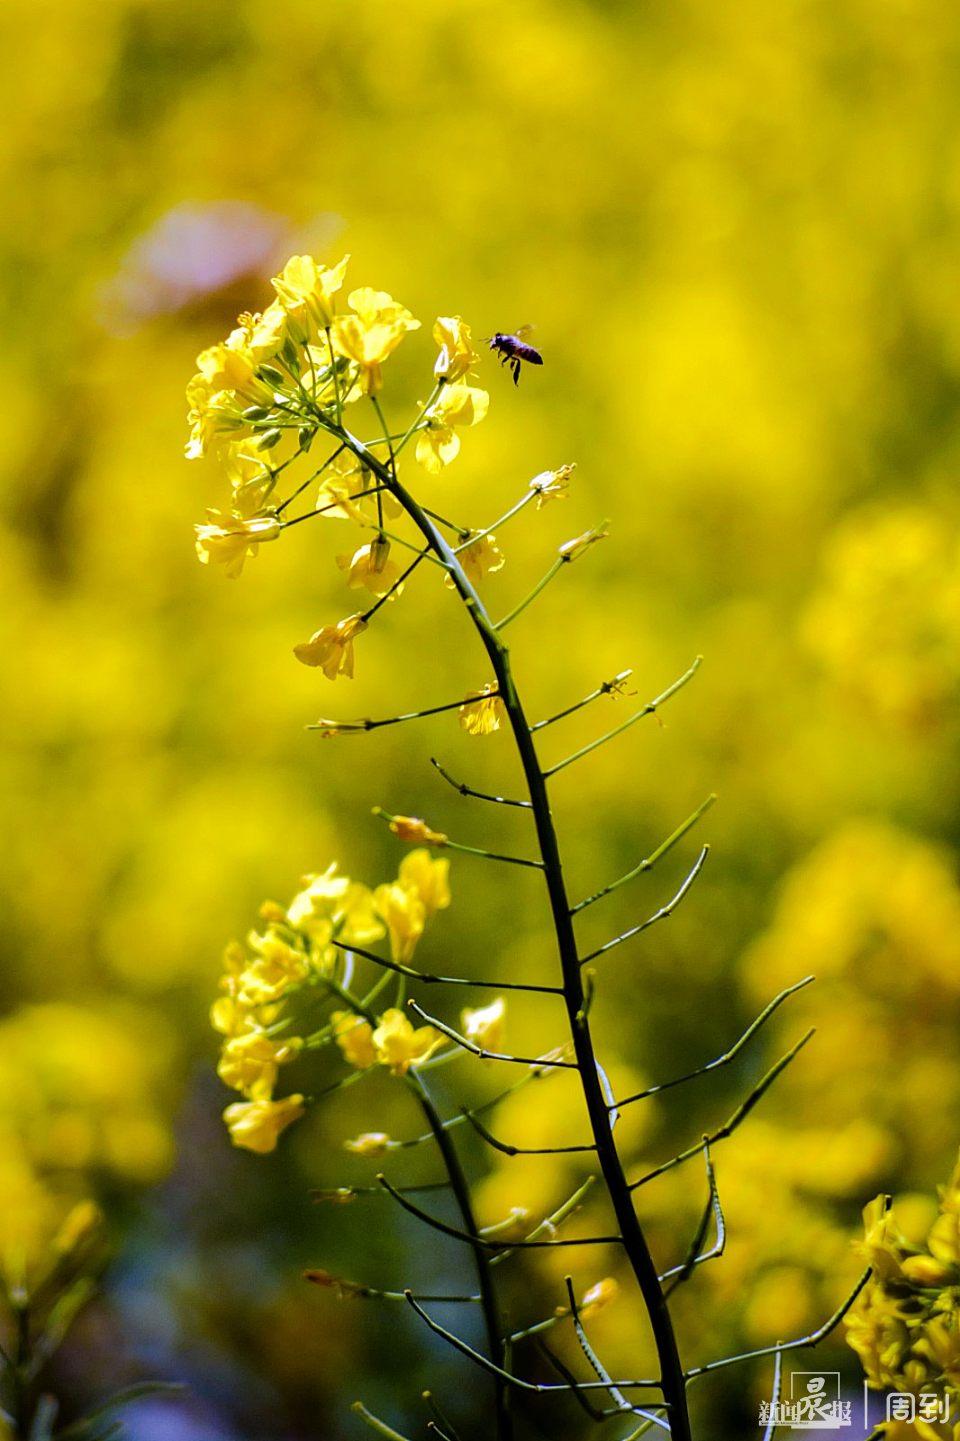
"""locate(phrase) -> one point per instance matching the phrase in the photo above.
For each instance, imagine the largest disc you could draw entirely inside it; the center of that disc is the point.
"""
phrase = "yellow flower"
(411, 828)
(552, 484)
(273, 912)
(331, 647)
(368, 1143)
(484, 1025)
(371, 334)
(927, 1271)
(249, 476)
(250, 1061)
(277, 967)
(306, 290)
(230, 539)
(372, 567)
(944, 1238)
(427, 879)
(883, 1246)
(82, 1223)
(479, 558)
(399, 1046)
(230, 367)
(255, 1125)
(439, 443)
(354, 1036)
(483, 712)
(261, 337)
(600, 1295)
(229, 1015)
(331, 904)
(457, 354)
(404, 914)
(574, 549)
(211, 414)
(342, 493)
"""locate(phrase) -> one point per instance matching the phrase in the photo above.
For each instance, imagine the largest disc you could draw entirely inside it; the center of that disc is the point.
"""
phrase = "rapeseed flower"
(483, 712)
(456, 406)
(400, 1046)
(331, 647)
(230, 540)
(371, 334)
(256, 1125)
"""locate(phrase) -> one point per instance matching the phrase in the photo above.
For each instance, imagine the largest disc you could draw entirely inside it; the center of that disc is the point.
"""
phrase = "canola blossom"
(285, 999)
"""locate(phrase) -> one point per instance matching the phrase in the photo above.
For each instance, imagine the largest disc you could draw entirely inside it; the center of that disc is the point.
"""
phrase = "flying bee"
(513, 349)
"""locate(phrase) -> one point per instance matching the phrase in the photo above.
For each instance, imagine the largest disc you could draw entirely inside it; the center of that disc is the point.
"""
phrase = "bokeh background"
(737, 229)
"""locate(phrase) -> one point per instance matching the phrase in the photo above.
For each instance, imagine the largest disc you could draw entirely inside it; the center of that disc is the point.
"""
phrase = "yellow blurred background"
(737, 231)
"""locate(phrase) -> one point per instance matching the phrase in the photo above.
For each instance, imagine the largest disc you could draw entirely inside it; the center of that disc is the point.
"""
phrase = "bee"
(513, 349)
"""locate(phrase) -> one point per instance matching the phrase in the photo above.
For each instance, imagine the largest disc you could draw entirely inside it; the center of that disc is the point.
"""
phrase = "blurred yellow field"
(735, 231)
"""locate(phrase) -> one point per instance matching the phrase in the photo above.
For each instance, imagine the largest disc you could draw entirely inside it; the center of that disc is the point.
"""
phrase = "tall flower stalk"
(285, 382)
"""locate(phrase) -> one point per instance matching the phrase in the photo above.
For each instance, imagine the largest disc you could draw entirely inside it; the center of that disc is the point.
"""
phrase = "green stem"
(461, 1192)
(20, 1371)
(631, 1232)
(541, 584)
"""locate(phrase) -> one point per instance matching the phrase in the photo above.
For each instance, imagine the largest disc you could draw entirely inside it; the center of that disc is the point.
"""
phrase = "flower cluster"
(287, 991)
(905, 1325)
(278, 387)
(280, 382)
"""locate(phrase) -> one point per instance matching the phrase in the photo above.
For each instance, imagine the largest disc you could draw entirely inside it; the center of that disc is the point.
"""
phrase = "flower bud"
(369, 1143)
(379, 554)
(927, 1271)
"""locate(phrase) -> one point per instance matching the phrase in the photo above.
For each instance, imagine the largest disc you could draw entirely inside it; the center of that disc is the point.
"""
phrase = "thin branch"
(696, 1257)
(461, 1194)
(375, 1424)
(660, 915)
(607, 687)
(522, 1150)
(429, 979)
(549, 1224)
(440, 1416)
(594, 1412)
(347, 727)
(534, 1074)
(601, 1372)
(651, 860)
(813, 1339)
(446, 844)
(740, 1114)
(358, 1290)
(466, 790)
(541, 585)
(404, 575)
(333, 505)
(462, 531)
(538, 1387)
(483, 1054)
(476, 535)
(351, 1193)
(645, 710)
(771, 1426)
(727, 1056)
(309, 481)
(456, 1234)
